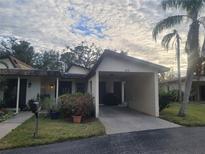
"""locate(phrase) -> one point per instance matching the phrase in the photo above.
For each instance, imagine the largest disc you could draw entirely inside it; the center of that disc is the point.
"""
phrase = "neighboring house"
(197, 91)
(133, 81)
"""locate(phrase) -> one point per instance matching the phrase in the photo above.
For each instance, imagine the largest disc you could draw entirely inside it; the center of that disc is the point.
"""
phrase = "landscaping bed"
(195, 115)
(4, 115)
(50, 131)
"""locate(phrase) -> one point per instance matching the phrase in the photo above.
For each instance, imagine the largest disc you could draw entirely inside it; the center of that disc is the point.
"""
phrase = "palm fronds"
(167, 39)
(167, 23)
(188, 5)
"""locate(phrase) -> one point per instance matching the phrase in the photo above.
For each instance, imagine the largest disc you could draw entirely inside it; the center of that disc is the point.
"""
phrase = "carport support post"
(18, 93)
(97, 95)
(123, 91)
(57, 89)
(156, 89)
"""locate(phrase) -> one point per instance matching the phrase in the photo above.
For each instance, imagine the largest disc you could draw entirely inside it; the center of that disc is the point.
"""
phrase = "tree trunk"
(192, 60)
(179, 70)
(192, 48)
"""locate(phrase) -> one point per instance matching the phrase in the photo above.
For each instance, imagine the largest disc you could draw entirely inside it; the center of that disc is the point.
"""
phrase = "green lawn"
(50, 131)
(194, 117)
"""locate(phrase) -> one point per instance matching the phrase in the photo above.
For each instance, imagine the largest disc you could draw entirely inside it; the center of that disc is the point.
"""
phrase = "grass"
(50, 131)
(195, 115)
(6, 116)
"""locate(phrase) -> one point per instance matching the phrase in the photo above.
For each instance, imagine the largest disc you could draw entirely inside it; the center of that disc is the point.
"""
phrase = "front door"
(118, 91)
(22, 96)
(10, 93)
(102, 91)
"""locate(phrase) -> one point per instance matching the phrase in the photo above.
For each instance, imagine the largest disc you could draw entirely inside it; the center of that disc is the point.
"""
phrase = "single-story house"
(197, 91)
(133, 81)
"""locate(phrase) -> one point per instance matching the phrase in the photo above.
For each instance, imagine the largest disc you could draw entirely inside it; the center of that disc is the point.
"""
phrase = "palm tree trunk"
(188, 84)
(179, 70)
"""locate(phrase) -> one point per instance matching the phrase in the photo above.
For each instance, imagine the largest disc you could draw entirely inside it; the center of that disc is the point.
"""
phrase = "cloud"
(116, 24)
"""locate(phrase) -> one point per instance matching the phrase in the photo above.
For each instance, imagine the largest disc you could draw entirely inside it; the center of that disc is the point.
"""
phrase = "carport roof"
(109, 53)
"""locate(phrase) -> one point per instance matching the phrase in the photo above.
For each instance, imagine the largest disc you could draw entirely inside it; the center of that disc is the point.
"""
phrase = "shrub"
(2, 104)
(47, 103)
(165, 98)
(76, 104)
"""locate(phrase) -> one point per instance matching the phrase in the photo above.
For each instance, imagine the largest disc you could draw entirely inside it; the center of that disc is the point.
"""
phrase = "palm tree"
(5, 64)
(167, 39)
(192, 8)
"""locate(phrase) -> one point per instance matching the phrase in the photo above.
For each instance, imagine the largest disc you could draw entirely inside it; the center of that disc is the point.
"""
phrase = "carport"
(135, 90)
(134, 81)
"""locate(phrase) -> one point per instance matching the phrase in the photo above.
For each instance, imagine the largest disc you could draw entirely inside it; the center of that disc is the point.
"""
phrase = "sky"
(116, 24)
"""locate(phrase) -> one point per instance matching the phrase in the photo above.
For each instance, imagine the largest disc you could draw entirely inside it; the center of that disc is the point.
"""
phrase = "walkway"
(121, 120)
(10, 124)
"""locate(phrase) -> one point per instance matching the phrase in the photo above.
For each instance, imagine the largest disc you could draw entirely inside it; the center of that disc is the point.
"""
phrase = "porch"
(21, 89)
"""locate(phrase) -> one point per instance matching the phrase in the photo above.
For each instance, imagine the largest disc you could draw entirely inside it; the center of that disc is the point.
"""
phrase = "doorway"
(102, 91)
(22, 94)
(118, 91)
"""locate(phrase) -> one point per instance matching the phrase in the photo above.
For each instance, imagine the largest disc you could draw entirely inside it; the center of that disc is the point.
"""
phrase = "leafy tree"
(175, 39)
(84, 55)
(6, 44)
(22, 50)
(47, 60)
(193, 8)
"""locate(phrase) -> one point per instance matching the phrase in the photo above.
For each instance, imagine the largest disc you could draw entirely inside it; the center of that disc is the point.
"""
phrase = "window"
(80, 87)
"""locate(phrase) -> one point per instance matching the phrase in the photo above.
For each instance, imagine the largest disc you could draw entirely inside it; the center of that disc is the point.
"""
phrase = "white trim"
(18, 95)
(97, 95)
(156, 89)
(123, 91)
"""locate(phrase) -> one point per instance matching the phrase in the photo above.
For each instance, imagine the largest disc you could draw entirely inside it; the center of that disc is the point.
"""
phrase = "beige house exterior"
(133, 81)
(197, 91)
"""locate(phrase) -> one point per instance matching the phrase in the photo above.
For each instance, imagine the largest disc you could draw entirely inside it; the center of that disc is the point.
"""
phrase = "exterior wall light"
(51, 85)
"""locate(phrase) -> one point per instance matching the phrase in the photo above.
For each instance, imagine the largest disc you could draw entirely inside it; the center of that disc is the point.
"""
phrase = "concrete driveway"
(120, 120)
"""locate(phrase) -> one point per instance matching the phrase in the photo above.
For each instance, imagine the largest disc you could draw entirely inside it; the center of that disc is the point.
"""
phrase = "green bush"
(46, 103)
(165, 98)
(77, 104)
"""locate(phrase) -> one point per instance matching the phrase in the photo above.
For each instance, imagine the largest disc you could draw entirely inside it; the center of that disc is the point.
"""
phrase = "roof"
(77, 65)
(18, 70)
(73, 76)
(109, 53)
(23, 72)
(195, 78)
(172, 80)
(17, 63)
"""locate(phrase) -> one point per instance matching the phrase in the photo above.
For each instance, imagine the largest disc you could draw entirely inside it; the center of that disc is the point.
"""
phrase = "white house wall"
(119, 65)
(77, 70)
(142, 93)
(34, 90)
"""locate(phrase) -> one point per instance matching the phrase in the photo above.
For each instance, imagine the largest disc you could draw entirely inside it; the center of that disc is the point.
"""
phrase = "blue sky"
(85, 25)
